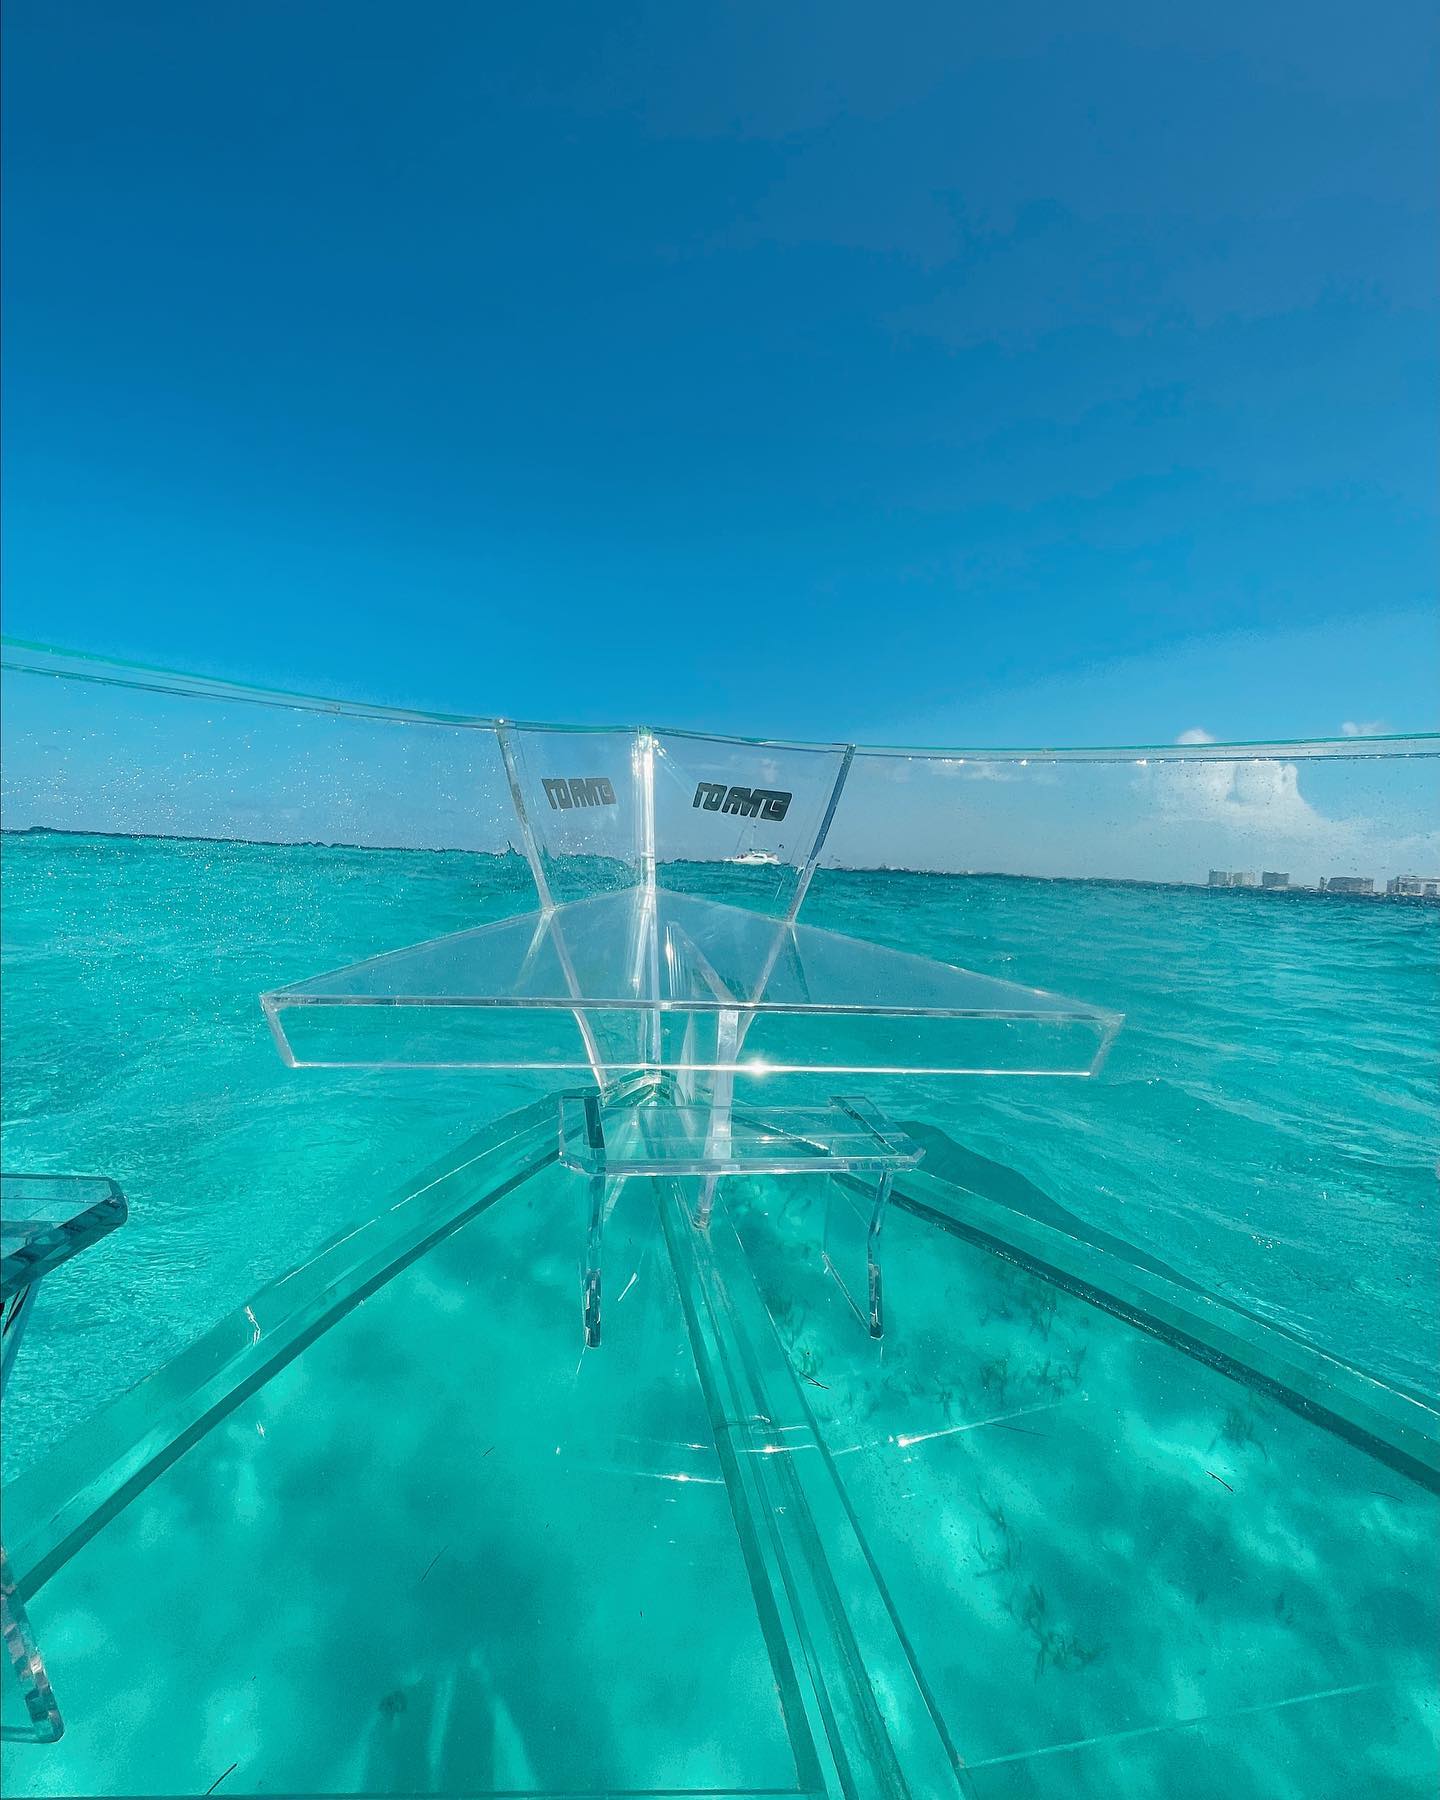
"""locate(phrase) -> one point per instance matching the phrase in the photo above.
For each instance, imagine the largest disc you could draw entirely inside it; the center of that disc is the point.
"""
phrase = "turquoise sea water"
(1016, 1550)
(1267, 1124)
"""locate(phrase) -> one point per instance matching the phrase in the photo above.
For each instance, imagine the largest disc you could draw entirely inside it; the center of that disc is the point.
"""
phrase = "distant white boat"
(763, 857)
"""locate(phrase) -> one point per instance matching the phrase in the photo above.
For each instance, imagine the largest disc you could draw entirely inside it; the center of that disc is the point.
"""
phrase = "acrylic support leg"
(594, 1226)
(12, 1328)
(594, 1233)
(847, 1215)
(717, 1143)
(20, 1645)
(28, 1664)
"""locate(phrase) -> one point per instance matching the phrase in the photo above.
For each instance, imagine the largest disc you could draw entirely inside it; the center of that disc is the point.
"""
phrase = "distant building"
(1274, 878)
(1348, 884)
(1219, 878)
(1243, 878)
(1420, 887)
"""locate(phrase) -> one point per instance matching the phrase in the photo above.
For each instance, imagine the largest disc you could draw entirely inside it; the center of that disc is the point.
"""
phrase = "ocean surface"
(1267, 1123)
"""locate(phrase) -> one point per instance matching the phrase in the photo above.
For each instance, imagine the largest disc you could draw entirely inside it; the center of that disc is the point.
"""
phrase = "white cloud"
(1197, 734)
(970, 768)
(1251, 797)
(1364, 728)
(1253, 813)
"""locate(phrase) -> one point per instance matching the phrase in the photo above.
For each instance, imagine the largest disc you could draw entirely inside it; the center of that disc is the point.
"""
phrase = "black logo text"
(580, 790)
(749, 803)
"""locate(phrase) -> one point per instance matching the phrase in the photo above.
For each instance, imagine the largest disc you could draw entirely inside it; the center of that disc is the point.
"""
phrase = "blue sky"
(932, 374)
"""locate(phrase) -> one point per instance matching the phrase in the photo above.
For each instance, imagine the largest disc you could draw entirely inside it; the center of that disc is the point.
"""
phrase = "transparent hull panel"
(1028, 1545)
(1120, 1571)
(407, 1591)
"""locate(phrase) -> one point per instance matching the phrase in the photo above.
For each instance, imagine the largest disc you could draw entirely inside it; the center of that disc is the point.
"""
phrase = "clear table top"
(621, 1140)
(47, 1219)
(640, 963)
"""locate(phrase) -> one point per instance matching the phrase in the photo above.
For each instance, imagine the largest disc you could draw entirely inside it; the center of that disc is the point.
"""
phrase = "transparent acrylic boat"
(693, 1427)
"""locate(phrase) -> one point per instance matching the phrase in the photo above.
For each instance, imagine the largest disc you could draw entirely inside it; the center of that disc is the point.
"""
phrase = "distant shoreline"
(512, 856)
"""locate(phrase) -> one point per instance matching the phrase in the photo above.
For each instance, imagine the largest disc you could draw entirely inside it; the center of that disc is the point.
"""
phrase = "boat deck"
(390, 1531)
